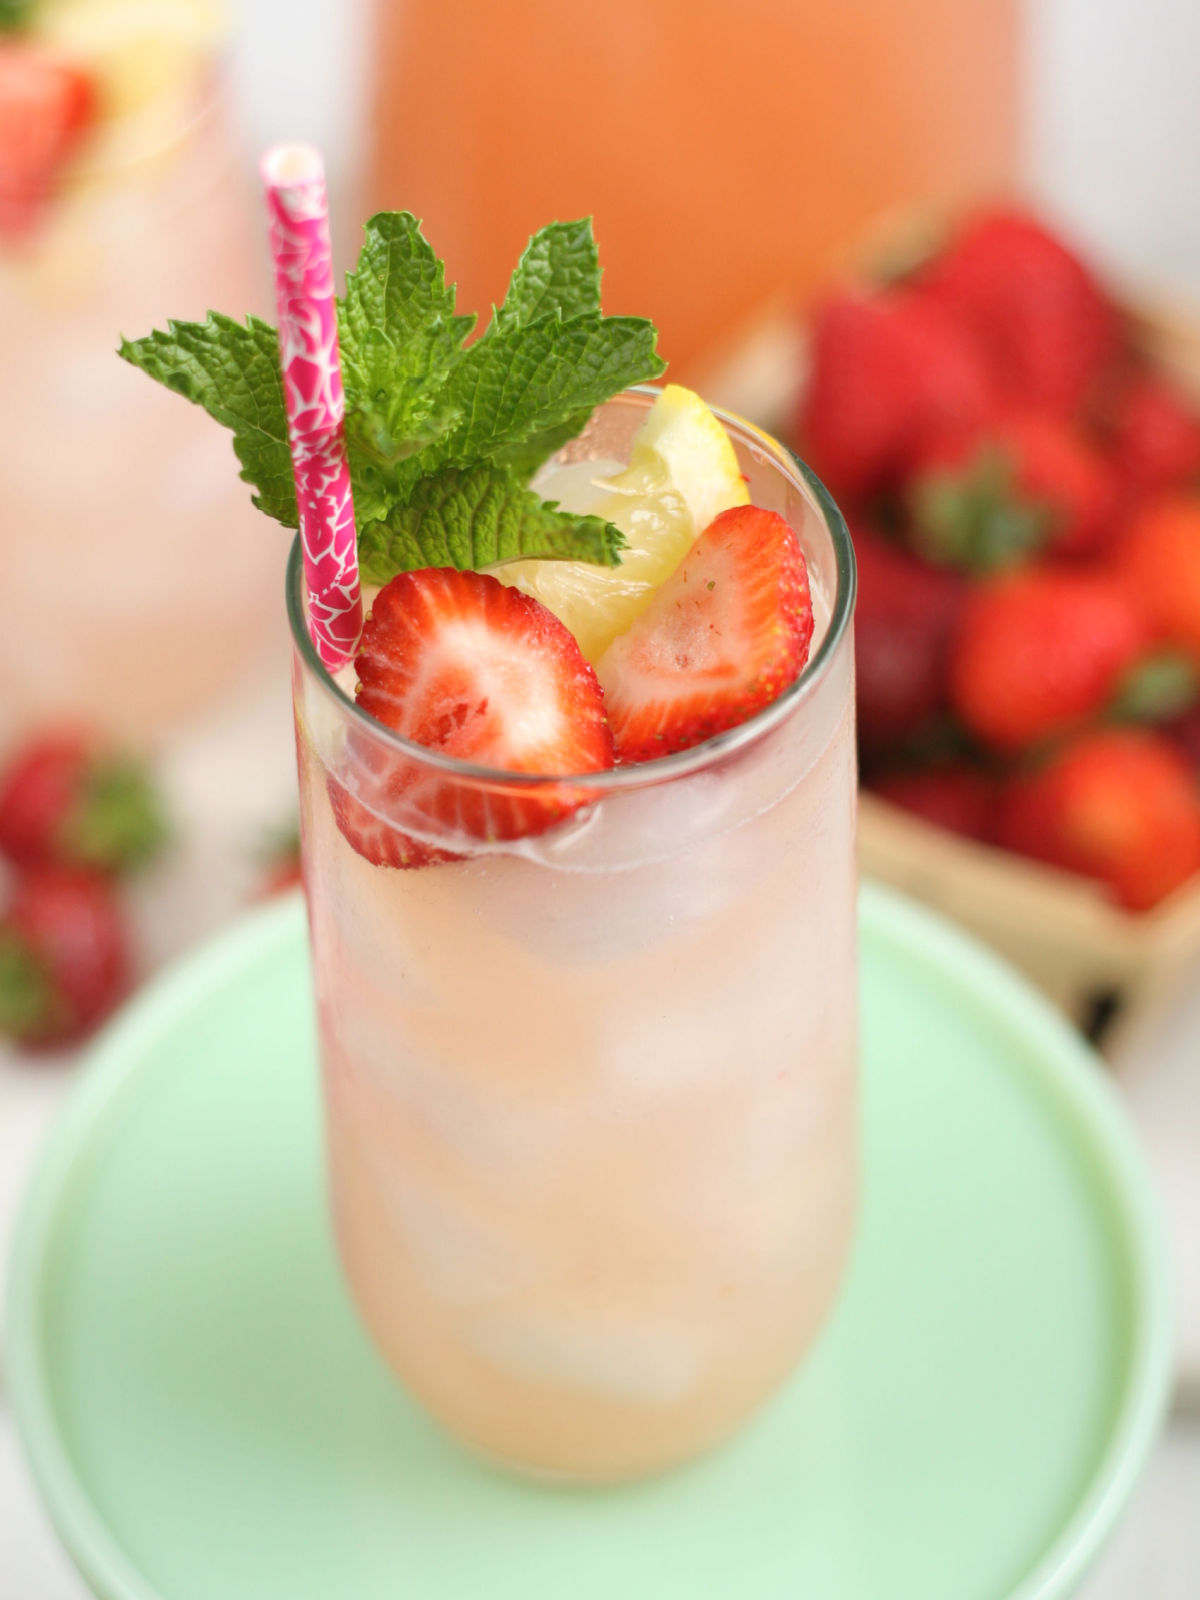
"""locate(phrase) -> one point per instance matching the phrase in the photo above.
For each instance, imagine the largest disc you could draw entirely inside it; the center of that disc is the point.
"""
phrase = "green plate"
(207, 1420)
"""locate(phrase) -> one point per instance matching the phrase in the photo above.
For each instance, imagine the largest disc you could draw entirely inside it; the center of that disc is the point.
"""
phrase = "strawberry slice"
(371, 788)
(462, 664)
(45, 104)
(722, 638)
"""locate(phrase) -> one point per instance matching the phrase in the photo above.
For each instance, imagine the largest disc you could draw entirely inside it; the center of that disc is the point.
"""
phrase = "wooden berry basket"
(1084, 951)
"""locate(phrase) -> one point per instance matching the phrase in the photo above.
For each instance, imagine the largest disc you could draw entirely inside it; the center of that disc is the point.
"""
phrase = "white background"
(1113, 144)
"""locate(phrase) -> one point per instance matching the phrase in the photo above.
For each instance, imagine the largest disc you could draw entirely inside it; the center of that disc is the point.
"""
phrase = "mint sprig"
(442, 435)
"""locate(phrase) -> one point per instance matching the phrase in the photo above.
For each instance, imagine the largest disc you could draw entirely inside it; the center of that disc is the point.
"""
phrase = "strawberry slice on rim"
(370, 787)
(465, 666)
(722, 638)
(45, 105)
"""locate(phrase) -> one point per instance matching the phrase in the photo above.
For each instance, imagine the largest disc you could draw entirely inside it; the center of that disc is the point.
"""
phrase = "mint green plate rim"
(1070, 1074)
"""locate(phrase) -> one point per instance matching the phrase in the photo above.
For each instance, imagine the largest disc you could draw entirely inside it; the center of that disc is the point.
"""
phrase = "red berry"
(281, 864)
(1026, 480)
(722, 638)
(45, 104)
(64, 957)
(38, 788)
(888, 371)
(903, 624)
(956, 798)
(1184, 733)
(1158, 558)
(1121, 806)
(1046, 326)
(1156, 434)
(369, 801)
(461, 664)
(64, 798)
(1039, 652)
(280, 878)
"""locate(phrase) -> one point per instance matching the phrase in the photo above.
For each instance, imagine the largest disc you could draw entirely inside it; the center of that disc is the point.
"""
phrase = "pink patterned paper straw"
(298, 227)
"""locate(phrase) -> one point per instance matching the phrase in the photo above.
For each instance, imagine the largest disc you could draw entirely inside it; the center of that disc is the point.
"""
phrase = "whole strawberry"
(1158, 559)
(1039, 652)
(1120, 805)
(889, 370)
(1155, 434)
(280, 861)
(955, 797)
(1046, 326)
(65, 798)
(64, 957)
(1025, 481)
(904, 622)
(45, 105)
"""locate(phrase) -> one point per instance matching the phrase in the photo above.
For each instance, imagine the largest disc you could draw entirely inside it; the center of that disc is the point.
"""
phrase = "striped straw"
(298, 227)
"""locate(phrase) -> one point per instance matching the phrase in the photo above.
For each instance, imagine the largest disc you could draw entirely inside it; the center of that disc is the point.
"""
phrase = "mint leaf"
(532, 378)
(399, 336)
(559, 271)
(559, 274)
(475, 517)
(525, 459)
(232, 370)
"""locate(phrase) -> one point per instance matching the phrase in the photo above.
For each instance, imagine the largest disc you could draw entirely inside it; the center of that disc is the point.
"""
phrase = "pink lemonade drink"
(590, 1093)
(573, 685)
(120, 508)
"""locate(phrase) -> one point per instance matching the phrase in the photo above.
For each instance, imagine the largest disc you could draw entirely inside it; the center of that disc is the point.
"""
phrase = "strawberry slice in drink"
(370, 789)
(467, 667)
(722, 638)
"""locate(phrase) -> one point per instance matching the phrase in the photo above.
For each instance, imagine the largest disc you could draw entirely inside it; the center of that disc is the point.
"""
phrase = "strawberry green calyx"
(15, 14)
(1161, 687)
(117, 824)
(29, 1006)
(974, 518)
(66, 799)
(442, 435)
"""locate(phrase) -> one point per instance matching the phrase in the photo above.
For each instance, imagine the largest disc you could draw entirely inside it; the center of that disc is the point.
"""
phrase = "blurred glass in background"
(136, 580)
(727, 151)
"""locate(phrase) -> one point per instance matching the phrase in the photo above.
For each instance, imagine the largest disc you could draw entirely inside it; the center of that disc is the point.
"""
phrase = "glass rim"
(644, 773)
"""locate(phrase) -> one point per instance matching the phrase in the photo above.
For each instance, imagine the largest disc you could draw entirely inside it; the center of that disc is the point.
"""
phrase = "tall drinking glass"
(590, 1097)
(127, 545)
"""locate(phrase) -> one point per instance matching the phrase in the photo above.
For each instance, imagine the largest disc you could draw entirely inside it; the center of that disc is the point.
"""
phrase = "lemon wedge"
(682, 472)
